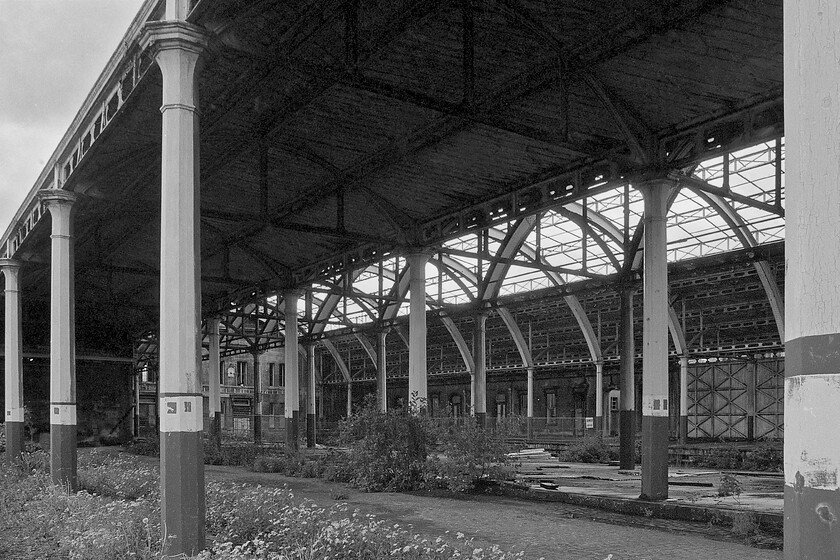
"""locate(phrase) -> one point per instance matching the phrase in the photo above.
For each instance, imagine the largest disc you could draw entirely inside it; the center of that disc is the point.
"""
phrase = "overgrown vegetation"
(117, 515)
(763, 457)
(472, 455)
(589, 449)
(387, 450)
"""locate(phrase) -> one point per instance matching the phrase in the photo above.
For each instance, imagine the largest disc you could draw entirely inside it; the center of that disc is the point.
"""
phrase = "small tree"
(388, 450)
(472, 454)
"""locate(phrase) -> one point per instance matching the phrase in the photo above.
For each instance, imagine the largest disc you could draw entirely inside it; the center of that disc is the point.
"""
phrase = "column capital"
(57, 197)
(174, 34)
(12, 265)
(295, 293)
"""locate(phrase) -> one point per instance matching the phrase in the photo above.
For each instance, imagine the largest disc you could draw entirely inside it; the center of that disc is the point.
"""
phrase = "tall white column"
(349, 399)
(599, 397)
(177, 46)
(480, 359)
(13, 361)
(417, 375)
(62, 340)
(812, 282)
(655, 344)
(290, 352)
(627, 383)
(213, 372)
(382, 369)
(530, 405)
(310, 412)
(683, 399)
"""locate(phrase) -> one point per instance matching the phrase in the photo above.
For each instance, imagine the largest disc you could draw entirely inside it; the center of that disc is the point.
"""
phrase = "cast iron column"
(599, 397)
(256, 404)
(627, 384)
(812, 283)
(417, 377)
(13, 361)
(382, 369)
(290, 353)
(530, 403)
(683, 399)
(310, 395)
(215, 405)
(62, 341)
(655, 345)
(177, 46)
(480, 359)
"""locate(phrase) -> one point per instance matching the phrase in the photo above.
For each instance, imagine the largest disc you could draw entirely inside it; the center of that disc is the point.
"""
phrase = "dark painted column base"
(216, 428)
(811, 517)
(257, 428)
(599, 424)
(14, 440)
(63, 456)
(182, 493)
(530, 428)
(683, 429)
(310, 430)
(292, 431)
(654, 458)
(627, 439)
(481, 419)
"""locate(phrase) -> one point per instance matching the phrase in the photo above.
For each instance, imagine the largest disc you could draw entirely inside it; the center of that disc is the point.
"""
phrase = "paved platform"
(695, 494)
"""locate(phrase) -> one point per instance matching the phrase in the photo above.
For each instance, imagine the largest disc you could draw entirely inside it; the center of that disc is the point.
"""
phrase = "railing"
(537, 428)
(272, 428)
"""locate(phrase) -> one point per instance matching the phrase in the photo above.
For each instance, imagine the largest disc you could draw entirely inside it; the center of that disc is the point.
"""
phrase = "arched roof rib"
(361, 160)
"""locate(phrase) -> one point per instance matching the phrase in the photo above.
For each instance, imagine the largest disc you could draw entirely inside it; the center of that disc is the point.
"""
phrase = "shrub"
(236, 455)
(588, 450)
(765, 457)
(472, 454)
(728, 486)
(388, 450)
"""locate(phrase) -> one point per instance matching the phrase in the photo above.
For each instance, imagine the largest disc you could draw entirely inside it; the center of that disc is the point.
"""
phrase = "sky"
(51, 53)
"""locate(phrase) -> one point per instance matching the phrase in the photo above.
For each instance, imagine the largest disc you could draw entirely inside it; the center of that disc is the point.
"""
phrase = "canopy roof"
(338, 134)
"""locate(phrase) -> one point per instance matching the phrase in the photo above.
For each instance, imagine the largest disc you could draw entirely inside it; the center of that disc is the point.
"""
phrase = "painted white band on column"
(655, 405)
(811, 439)
(63, 414)
(182, 414)
(14, 415)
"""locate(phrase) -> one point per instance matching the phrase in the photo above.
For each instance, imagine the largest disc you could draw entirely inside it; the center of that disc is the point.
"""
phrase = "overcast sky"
(51, 53)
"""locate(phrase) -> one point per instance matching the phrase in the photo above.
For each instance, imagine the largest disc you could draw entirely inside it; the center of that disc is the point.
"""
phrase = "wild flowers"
(117, 515)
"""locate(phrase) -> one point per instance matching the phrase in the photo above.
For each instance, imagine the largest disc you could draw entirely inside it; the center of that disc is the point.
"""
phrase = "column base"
(216, 428)
(14, 440)
(257, 419)
(810, 520)
(292, 431)
(481, 419)
(654, 458)
(627, 439)
(310, 430)
(63, 456)
(683, 429)
(530, 433)
(182, 493)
